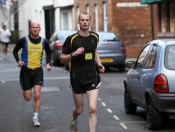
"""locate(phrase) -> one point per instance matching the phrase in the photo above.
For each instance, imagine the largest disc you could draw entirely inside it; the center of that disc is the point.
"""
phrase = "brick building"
(128, 19)
(134, 23)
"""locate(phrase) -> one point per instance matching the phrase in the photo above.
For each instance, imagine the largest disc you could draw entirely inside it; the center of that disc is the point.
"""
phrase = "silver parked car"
(150, 82)
(57, 40)
(111, 51)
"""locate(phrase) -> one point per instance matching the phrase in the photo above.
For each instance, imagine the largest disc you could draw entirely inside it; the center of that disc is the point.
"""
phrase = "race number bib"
(88, 56)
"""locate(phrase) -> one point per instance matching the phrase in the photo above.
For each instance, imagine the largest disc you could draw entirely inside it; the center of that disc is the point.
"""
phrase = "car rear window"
(62, 35)
(170, 57)
(106, 36)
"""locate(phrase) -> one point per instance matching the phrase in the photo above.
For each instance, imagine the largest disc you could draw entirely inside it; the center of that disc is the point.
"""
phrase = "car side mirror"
(130, 64)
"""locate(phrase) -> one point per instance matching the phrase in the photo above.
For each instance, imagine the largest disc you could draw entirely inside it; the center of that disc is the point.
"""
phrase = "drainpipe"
(152, 23)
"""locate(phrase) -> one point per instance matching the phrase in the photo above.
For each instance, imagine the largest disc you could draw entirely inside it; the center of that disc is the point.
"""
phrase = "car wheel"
(130, 108)
(121, 68)
(153, 116)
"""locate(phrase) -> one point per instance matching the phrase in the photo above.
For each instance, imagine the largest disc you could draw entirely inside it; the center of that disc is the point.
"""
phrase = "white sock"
(35, 115)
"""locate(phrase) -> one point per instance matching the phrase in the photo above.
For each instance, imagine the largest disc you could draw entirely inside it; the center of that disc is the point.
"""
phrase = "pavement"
(11, 47)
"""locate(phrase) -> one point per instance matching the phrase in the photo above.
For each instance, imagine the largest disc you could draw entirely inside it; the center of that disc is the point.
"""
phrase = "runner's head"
(35, 29)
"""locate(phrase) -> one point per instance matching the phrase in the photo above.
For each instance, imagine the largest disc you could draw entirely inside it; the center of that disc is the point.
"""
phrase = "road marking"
(123, 126)
(116, 117)
(49, 89)
(109, 110)
(103, 103)
(99, 99)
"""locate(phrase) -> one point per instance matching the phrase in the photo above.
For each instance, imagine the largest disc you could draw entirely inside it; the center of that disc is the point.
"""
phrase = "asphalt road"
(55, 114)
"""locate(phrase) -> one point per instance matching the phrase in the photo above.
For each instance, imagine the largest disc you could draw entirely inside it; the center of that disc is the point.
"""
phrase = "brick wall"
(128, 23)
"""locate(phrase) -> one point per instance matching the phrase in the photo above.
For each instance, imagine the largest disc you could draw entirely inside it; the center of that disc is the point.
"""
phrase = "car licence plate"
(106, 59)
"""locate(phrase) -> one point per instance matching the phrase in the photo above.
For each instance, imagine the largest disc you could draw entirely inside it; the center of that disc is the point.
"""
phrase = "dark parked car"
(57, 40)
(111, 51)
(150, 82)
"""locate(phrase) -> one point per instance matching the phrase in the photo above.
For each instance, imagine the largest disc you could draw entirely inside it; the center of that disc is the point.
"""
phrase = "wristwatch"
(71, 54)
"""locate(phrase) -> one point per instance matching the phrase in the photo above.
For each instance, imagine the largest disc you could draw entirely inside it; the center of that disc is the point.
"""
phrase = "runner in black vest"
(81, 50)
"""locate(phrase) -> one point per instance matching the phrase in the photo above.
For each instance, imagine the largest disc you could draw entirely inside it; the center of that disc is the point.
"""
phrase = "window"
(105, 17)
(151, 57)
(141, 59)
(169, 57)
(78, 13)
(104, 37)
(65, 22)
(66, 19)
(88, 11)
(172, 16)
(96, 17)
(20, 20)
(163, 18)
(87, 8)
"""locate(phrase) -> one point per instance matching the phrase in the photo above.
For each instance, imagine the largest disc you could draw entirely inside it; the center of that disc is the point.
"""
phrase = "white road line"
(99, 99)
(125, 127)
(103, 103)
(109, 110)
(116, 117)
(49, 89)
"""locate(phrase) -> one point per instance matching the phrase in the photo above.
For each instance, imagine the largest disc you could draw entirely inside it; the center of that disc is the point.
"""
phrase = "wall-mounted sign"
(131, 4)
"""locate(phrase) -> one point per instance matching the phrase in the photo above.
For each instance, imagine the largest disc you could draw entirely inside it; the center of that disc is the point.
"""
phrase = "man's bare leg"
(27, 94)
(5, 50)
(37, 100)
(36, 104)
(92, 97)
(78, 101)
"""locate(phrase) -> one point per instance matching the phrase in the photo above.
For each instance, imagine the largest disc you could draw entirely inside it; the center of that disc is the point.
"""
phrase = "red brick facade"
(131, 24)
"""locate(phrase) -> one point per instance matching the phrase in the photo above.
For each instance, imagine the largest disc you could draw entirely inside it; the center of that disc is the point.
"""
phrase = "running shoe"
(73, 126)
(35, 122)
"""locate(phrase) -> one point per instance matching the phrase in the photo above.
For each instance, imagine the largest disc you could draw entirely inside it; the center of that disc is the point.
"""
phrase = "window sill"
(166, 34)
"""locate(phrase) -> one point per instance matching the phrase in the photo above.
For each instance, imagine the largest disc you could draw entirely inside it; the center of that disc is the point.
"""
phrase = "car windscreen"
(170, 57)
(106, 36)
(62, 35)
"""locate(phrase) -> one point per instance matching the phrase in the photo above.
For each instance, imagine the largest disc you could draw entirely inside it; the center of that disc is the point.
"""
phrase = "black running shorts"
(82, 88)
(6, 44)
(31, 77)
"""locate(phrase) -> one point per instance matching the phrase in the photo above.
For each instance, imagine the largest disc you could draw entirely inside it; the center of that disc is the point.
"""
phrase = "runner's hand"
(101, 68)
(79, 51)
(48, 67)
(20, 63)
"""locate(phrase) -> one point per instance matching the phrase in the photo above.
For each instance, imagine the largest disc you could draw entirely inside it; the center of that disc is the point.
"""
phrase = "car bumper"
(113, 60)
(164, 102)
